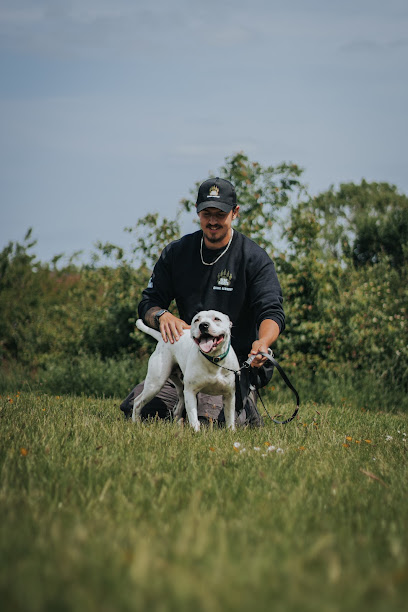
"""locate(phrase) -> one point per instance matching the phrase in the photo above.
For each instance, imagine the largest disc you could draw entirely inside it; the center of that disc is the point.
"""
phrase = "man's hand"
(268, 333)
(258, 347)
(171, 328)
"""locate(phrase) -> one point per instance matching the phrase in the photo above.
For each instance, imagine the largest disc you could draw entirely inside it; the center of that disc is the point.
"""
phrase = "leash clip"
(247, 363)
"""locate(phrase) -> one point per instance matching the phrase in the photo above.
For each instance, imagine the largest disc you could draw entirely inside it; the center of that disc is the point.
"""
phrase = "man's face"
(216, 226)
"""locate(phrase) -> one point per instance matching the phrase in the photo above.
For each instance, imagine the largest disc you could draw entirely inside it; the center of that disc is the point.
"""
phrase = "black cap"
(217, 193)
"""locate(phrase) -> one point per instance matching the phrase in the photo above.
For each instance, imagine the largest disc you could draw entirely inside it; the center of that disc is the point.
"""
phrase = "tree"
(364, 222)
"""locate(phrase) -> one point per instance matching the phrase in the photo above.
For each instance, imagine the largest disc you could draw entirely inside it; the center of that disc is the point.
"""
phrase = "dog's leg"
(190, 398)
(157, 373)
(176, 378)
(229, 410)
(138, 404)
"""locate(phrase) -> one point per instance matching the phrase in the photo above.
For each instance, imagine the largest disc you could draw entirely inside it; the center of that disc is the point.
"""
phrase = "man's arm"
(170, 327)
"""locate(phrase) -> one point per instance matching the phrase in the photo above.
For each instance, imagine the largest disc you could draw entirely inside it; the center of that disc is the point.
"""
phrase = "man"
(216, 268)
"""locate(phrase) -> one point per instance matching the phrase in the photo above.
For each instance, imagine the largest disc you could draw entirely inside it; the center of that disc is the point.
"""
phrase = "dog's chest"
(209, 378)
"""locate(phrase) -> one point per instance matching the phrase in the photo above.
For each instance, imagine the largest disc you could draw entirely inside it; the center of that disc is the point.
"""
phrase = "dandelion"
(358, 441)
(367, 441)
(346, 445)
(23, 452)
(212, 449)
(302, 448)
(349, 438)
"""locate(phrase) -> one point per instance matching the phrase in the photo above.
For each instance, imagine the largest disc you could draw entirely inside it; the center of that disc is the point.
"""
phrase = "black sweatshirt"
(242, 284)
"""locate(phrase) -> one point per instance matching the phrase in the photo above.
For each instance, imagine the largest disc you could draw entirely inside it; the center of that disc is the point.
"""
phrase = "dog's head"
(211, 331)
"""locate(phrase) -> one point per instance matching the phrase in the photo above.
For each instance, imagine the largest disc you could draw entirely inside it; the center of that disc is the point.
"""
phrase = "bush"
(88, 375)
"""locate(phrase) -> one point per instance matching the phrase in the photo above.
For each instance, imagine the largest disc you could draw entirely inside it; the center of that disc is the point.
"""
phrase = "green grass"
(100, 514)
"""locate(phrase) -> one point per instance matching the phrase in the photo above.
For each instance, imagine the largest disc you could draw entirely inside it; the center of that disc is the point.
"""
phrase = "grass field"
(99, 514)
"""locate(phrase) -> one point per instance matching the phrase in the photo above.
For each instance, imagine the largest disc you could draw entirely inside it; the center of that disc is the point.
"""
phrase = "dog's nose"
(204, 327)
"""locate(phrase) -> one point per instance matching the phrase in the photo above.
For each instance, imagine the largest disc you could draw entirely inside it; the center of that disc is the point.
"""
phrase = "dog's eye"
(217, 319)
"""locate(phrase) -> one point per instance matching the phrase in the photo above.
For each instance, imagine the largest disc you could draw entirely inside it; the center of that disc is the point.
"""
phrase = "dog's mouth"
(207, 343)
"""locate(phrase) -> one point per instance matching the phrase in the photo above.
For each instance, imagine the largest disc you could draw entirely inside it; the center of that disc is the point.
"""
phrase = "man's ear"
(235, 212)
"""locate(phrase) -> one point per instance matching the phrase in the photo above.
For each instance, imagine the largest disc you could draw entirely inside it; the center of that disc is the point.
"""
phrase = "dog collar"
(218, 357)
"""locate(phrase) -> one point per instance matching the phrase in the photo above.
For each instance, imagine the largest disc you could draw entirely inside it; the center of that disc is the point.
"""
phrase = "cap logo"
(214, 191)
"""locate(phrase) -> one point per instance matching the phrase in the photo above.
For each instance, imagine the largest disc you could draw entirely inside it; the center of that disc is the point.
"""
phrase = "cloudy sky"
(110, 109)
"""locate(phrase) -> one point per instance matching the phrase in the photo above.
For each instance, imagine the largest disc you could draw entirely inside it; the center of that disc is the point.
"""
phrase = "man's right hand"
(171, 328)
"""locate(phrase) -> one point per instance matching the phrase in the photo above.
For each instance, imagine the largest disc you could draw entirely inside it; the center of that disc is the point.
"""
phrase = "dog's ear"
(228, 319)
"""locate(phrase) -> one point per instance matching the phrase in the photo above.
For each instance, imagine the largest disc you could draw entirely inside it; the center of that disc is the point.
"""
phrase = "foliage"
(31, 295)
(152, 237)
(365, 222)
(46, 313)
(99, 514)
(339, 315)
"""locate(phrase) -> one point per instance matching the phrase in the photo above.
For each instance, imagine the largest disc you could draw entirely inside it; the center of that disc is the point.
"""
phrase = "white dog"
(195, 354)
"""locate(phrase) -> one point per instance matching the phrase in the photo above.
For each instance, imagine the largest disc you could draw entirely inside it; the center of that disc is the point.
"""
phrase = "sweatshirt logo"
(224, 279)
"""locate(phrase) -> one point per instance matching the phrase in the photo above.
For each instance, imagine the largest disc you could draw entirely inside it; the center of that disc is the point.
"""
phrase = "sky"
(111, 109)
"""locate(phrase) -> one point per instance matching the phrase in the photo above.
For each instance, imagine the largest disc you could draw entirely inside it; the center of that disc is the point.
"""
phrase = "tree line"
(341, 257)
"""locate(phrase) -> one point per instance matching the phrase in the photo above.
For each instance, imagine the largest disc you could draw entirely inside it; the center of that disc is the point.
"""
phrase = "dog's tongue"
(206, 344)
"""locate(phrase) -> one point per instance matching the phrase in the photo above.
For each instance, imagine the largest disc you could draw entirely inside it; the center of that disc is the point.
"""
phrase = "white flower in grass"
(280, 450)
(270, 449)
(243, 450)
(237, 444)
(257, 448)
(388, 438)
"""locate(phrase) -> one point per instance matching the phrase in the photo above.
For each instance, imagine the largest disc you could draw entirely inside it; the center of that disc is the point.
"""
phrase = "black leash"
(271, 358)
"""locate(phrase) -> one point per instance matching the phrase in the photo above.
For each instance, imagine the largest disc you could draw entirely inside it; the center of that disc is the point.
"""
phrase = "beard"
(215, 239)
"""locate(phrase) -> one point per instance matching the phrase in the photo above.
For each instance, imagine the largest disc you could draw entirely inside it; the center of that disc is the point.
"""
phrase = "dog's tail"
(148, 330)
